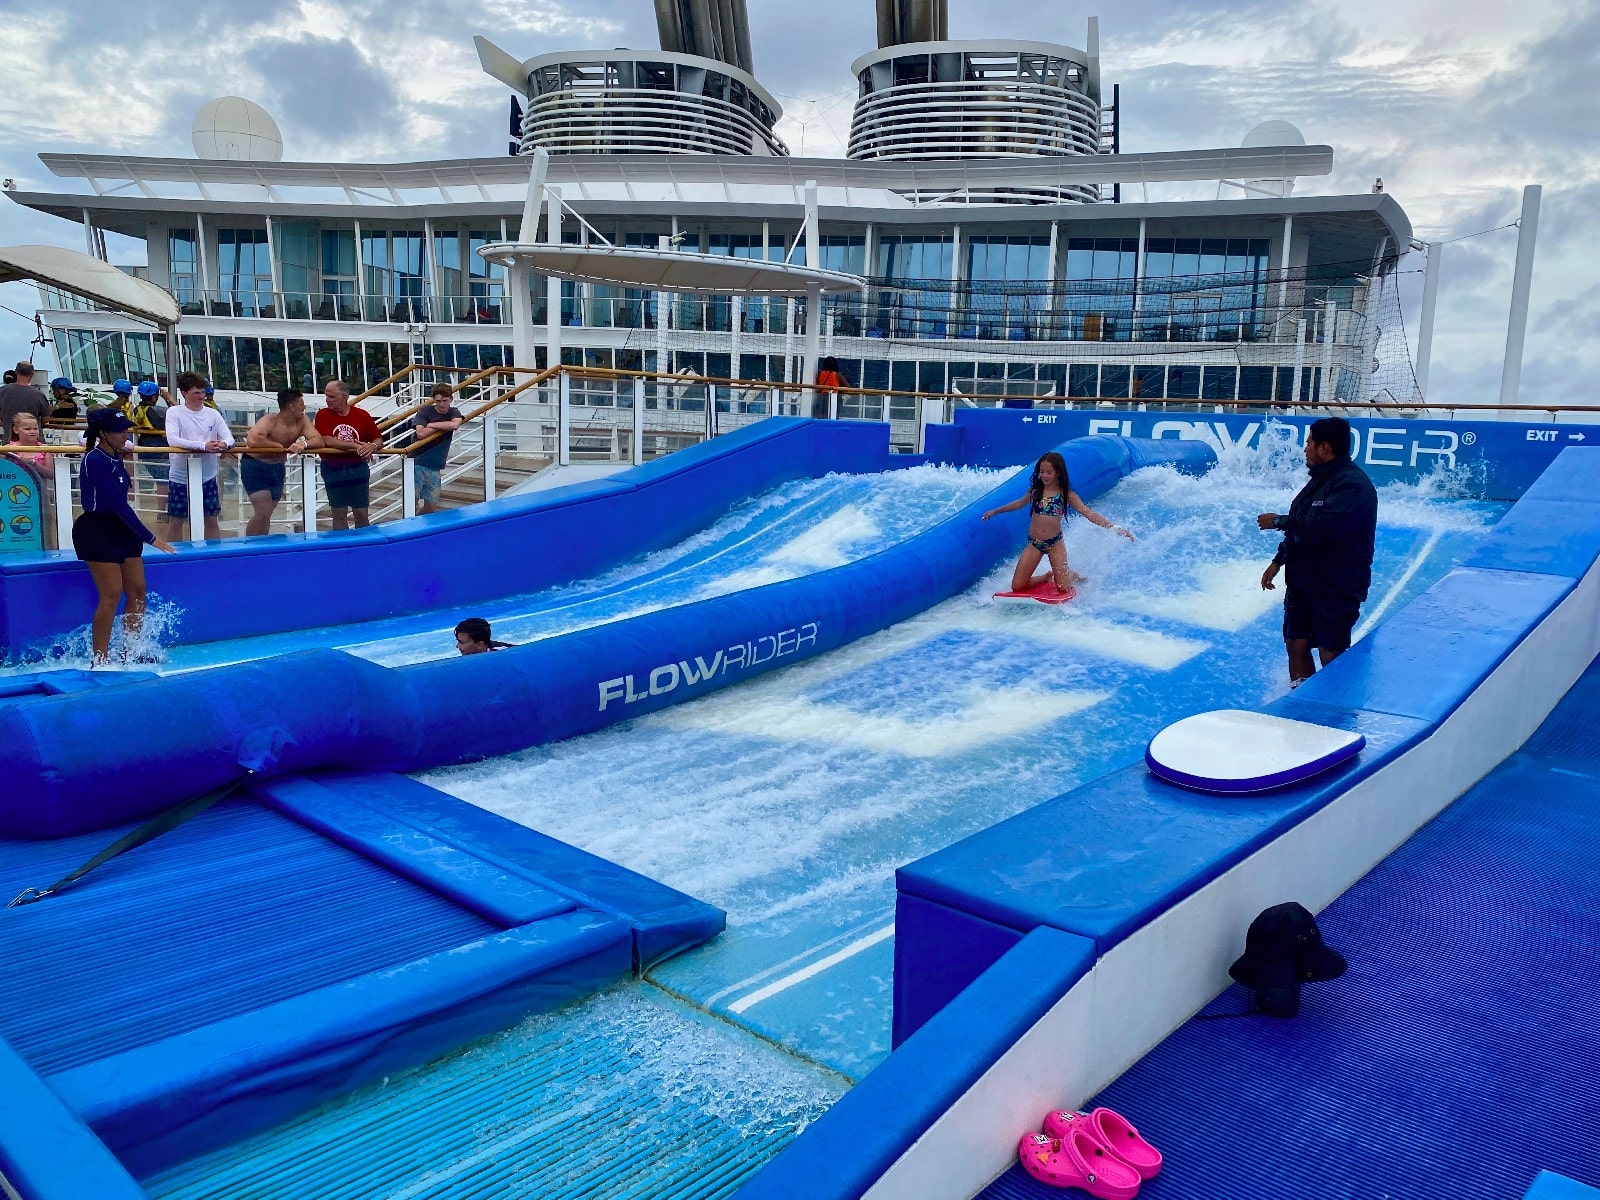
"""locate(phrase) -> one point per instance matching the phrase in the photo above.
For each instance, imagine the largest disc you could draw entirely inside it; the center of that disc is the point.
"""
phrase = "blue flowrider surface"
(1472, 1002)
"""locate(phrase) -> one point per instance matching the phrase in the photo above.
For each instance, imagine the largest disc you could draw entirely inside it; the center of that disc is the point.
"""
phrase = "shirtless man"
(288, 430)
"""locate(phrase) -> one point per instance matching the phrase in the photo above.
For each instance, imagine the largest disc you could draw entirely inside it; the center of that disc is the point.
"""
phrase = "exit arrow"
(1575, 437)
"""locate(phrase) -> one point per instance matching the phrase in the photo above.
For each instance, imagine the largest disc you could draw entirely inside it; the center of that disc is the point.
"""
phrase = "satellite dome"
(1273, 133)
(231, 127)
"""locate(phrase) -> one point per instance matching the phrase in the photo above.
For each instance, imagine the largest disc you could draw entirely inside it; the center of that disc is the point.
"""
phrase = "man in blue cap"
(149, 420)
(65, 397)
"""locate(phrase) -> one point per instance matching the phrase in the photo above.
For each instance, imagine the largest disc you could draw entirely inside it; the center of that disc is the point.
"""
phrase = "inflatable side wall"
(244, 587)
(76, 770)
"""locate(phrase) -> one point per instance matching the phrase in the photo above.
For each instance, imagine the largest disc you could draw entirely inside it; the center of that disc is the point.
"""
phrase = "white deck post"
(61, 481)
(563, 420)
(308, 494)
(808, 369)
(1430, 299)
(1521, 288)
(408, 489)
(1299, 358)
(638, 421)
(489, 452)
(552, 285)
(195, 473)
(1330, 329)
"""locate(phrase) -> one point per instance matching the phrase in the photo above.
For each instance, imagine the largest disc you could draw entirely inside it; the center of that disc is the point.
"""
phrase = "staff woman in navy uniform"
(108, 535)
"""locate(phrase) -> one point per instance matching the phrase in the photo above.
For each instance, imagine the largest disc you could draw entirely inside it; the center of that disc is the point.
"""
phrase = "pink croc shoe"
(1077, 1162)
(1117, 1134)
(1059, 1124)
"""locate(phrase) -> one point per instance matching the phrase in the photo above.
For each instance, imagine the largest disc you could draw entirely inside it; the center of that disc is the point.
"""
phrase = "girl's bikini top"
(1052, 506)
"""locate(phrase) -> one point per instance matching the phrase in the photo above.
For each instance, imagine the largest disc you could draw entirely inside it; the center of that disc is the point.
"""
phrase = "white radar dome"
(1273, 133)
(231, 127)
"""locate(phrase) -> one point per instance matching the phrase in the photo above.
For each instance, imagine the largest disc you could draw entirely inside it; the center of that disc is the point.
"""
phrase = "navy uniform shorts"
(1324, 621)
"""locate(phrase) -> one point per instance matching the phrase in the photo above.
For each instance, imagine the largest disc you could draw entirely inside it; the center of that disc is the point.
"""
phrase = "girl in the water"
(1049, 495)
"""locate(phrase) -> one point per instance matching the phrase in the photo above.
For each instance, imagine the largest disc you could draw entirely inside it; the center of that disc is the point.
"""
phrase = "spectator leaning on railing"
(193, 426)
(443, 418)
(287, 431)
(347, 476)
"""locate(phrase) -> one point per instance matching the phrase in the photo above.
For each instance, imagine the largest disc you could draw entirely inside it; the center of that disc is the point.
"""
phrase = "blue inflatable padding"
(1104, 859)
(495, 895)
(1424, 660)
(924, 983)
(846, 1149)
(458, 557)
(664, 920)
(78, 771)
(46, 1151)
(162, 1103)
(1550, 537)
(15, 689)
(1550, 1186)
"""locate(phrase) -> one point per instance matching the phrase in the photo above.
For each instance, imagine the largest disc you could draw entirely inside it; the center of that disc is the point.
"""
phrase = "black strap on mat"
(151, 829)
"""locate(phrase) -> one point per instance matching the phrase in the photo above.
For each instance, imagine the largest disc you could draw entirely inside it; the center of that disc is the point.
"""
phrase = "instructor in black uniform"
(1327, 546)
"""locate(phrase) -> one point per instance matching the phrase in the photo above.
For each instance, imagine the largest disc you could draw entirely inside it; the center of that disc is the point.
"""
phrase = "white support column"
(552, 285)
(1430, 300)
(1521, 289)
(1138, 278)
(1283, 265)
(490, 453)
(88, 237)
(1299, 359)
(204, 261)
(638, 421)
(563, 420)
(663, 314)
(361, 277)
(808, 369)
(196, 475)
(276, 269)
(789, 310)
(437, 312)
(735, 337)
(308, 493)
(408, 489)
(1330, 331)
(524, 333)
(537, 174)
(61, 485)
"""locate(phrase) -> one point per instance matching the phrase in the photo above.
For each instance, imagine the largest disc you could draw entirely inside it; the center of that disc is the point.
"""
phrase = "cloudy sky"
(1455, 103)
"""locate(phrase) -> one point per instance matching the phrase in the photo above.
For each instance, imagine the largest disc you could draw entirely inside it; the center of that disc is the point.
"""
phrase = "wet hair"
(288, 396)
(1060, 464)
(189, 380)
(830, 364)
(477, 630)
(442, 389)
(1332, 432)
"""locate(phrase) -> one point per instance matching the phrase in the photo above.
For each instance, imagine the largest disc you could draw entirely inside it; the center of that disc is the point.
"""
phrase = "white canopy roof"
(90, 278)
(669, 270)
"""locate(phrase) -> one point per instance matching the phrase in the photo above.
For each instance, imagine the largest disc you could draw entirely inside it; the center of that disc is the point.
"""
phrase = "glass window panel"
(274, 364)
(300, 373)
(1148, 382)
(223, 375)
(192, 354)
(351, 372)
(1083, 381)
(931, 377)
(377, 364)
(1255, 383)
(1114, 380)
(140, 363)
(1183, 383)
(247, 358)
(466, 356)
(109, 361)
(1285, 390)
(325, 363)
(1217, 383)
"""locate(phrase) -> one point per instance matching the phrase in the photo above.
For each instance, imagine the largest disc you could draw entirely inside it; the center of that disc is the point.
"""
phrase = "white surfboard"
(1235, 752)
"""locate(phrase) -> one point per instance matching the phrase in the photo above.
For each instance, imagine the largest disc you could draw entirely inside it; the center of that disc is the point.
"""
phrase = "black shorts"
(258, 476)
(101, 537)
(347, 488)
(1324, 621)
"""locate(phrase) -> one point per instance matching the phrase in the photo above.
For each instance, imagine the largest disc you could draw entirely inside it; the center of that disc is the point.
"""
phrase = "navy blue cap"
(107, 420)
(122, 387)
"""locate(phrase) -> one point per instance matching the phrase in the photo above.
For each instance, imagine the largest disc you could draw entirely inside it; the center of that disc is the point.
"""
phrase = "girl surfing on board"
(1049, 495)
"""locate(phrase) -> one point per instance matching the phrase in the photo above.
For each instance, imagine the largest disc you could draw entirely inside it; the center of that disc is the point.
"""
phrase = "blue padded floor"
(1472, 1000)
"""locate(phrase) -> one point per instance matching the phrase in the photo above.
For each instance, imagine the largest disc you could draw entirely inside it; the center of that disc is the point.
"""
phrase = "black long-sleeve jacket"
(1329, 532)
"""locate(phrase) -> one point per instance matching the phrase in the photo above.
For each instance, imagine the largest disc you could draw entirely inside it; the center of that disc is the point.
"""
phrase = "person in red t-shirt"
(345, 476)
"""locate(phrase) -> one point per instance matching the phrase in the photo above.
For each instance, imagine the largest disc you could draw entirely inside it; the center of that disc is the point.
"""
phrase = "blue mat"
(1473, 993)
